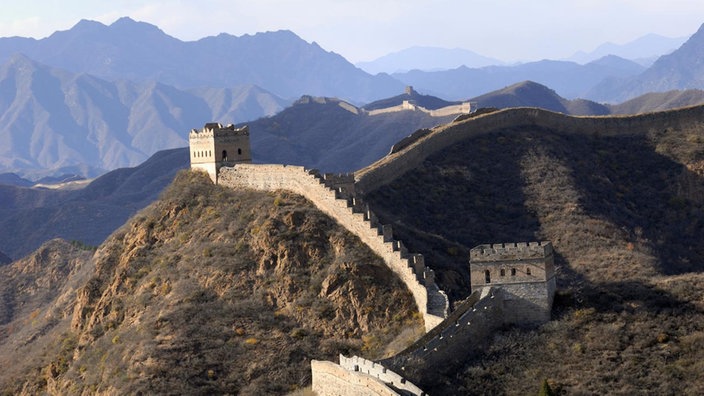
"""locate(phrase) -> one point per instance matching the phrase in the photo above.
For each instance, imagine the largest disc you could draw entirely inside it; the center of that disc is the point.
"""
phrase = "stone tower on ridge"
(525, 271)
(216, 146)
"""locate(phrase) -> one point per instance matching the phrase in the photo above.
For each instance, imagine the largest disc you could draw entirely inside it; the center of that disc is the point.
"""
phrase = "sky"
(363, 30)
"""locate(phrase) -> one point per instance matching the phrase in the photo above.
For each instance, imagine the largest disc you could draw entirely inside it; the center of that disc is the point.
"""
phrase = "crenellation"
(511, 251)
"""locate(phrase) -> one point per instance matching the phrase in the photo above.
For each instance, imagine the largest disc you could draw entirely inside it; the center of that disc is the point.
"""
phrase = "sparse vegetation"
(625, 216)
(211, 290)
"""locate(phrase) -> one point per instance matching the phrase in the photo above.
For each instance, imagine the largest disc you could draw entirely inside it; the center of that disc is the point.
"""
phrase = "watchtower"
(524, 271)
(216, 146)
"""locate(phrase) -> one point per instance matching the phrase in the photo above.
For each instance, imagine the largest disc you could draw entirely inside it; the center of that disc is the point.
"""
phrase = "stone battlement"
(510, 251)
(211, 129)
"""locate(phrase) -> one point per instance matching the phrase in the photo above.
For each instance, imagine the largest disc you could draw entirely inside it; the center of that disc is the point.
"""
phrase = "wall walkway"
(396, 164)
(333, 195)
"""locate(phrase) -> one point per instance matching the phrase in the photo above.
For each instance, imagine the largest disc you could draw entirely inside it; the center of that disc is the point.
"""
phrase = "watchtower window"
(224, 155)
(513, 272)
(527, 271)
(502, 272)
(239, 151)
(487, 276)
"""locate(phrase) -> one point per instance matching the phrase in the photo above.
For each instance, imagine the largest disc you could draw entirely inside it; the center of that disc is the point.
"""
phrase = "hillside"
(659, 101)
(332, 135)
(531, 94)
(240, 289)
(31, 216)
(279, 62)
(621, 200)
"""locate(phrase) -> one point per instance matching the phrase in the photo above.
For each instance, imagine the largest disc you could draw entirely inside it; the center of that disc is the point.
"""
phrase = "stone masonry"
(525, 271)
(216, 146)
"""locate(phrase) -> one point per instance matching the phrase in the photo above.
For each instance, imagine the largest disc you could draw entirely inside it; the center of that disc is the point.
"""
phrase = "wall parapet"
(333, 196)
(377, 370)
(396, 164)
(510, 251)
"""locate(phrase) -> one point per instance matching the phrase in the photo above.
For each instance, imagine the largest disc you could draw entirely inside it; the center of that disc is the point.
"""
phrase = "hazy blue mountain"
(659, 101)
(642, 49)
(531, 94)
(681, 69)
(12, 179)
(280, 62)
(31, 216)
(569, 79)
(54, 122)
(426, 59)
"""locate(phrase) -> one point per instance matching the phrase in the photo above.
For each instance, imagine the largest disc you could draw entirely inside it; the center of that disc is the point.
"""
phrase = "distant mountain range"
(279, 62)
(609, 79)
(31, 216)
(569, 79)
(427, 59)
(53, 121)
(644, 50)
(682, 69)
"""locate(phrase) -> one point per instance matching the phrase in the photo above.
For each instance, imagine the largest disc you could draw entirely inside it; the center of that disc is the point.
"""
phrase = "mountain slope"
(280, 62)
(681, 69)
(240, 288)
(530, 94)
(621, 200)
(331, 135)
(659, 101)
(642, 48)
(57, 122)
(29, 216)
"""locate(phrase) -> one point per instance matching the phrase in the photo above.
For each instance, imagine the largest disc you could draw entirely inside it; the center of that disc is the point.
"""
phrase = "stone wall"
(388, 168)
(330, 379)
(354, 215)
(463, 108)
(524, 271)
(465, 331)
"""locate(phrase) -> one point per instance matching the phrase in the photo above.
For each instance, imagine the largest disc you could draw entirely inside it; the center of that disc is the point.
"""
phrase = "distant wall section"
(389, 168)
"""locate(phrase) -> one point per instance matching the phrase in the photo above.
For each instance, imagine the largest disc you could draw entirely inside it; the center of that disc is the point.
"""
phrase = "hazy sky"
(366, 29)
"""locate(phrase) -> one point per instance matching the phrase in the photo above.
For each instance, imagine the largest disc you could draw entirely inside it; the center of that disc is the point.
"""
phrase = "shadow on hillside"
(653, 198)
(473, 193)
(469, 194)
(653, 316)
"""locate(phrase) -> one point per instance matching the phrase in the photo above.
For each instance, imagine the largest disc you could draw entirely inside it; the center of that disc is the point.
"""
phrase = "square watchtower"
(216, 146)
(524, 271)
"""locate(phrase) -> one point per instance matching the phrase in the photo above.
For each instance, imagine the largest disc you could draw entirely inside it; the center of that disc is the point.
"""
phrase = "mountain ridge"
(279, 62)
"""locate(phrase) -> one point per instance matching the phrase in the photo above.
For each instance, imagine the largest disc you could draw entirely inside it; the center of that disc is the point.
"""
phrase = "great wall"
(334, 195)
(511, 283)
